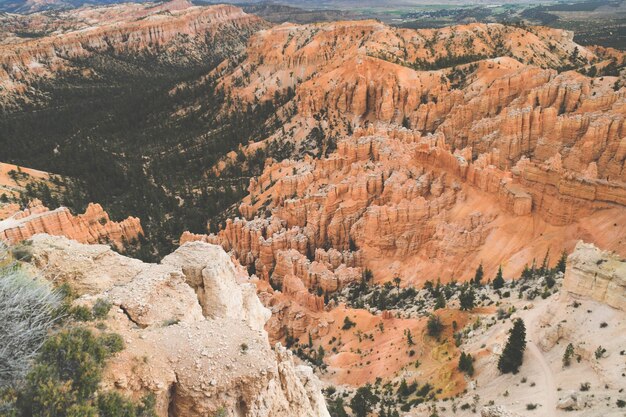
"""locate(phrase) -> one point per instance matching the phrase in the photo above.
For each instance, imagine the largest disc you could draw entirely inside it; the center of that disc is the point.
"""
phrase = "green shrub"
(434, 326)
(23, 252)
(113, 342)
(600, 351)
(101, 308)
(112, 404)
(81, 313)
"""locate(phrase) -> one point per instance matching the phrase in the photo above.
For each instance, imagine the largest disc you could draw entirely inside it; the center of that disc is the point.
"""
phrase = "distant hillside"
(31, 6)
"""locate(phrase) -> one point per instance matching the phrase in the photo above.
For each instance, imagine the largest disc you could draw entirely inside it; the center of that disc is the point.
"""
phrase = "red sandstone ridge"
(289, 55)
(94, 226)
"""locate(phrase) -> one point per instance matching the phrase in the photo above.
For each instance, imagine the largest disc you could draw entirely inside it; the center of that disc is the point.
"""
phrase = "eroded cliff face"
(94, 226)
(596, 274)
(480, 86)
(174, 34)
(193, 330)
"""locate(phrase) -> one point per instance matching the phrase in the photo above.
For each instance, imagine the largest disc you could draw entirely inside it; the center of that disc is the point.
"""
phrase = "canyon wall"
(175, 34)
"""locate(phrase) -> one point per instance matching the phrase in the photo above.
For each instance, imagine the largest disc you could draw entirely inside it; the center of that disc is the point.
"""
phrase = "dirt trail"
(549, 397)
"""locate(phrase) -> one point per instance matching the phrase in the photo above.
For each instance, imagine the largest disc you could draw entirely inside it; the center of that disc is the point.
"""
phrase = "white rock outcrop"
(596, 274)
(193, 335)
(496, 411)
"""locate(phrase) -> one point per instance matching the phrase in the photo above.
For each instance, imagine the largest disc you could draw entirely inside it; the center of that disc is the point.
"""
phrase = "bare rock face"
(194, 336)
(92, 270)
(596, 274)
(205, 267)
(571, 401)
(94, 226)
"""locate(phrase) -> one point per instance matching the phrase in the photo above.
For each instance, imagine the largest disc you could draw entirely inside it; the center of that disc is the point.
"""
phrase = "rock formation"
(596, 274)
(94, 226)
(495, 140)
(193, 332)
(394, 201)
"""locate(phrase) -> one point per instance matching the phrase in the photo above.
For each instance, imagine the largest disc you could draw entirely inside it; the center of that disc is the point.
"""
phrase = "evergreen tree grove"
(466, 363)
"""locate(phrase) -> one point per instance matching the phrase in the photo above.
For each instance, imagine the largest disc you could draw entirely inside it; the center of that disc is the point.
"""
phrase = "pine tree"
(409, 338)
(466, 363)
(545, 263)
(560, 266)
(467, 299)
(336, 408)
(567, 356)
(363, 401)
(478, 276)
(441, 302)
(403, 389)
(498, 281)
(513, 353)
(397, 281)
(434, 326)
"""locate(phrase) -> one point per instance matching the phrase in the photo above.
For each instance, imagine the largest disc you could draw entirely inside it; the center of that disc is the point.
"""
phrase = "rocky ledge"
(193, 330)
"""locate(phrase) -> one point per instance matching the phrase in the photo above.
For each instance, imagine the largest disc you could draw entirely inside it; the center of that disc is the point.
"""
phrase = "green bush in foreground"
(65, 377)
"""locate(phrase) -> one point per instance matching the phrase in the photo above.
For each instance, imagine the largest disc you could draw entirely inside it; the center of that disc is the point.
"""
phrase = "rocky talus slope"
(193, 331)
(94, 226)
